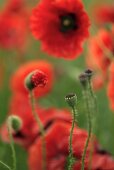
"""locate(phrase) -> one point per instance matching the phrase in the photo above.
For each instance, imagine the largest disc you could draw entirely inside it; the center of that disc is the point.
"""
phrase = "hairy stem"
(40, 125)
(74, 120)
(12, 146)
(94, 109)
(85, 95)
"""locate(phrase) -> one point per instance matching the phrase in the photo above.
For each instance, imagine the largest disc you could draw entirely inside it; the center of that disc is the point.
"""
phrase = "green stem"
(91, 154)
(71, 159)
(93, 98)
(32, 100)
(5, 165)
(12, 146)
(75, 113)
(94, 108)
(85, 93)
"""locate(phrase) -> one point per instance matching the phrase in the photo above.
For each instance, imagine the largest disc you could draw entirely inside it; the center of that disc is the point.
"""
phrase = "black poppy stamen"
(68, 22)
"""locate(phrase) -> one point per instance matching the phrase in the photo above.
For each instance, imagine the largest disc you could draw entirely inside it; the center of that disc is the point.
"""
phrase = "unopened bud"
(35, 79)
(89, 73)
(15, 122)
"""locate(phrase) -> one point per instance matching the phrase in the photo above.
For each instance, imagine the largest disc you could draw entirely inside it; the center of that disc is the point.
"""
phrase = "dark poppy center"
(68, 22)
(19, 134)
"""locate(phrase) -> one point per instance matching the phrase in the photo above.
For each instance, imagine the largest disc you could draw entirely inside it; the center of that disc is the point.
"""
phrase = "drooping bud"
(71, 99)
(15, 122)
(35, 79)
(89, 73)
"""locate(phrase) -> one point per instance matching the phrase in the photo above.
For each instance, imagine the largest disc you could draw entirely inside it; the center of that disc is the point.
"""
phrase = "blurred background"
(66, 80)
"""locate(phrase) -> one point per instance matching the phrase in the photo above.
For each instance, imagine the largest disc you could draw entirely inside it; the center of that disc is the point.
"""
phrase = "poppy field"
(56, 85)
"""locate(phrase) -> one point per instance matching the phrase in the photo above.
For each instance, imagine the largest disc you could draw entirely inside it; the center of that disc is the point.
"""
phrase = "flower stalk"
(36, 79)
(10, 121)
(84, 81)
(12, 147)
(14, 123)
(40, 125)
(94, 110)
(71, 100)
(85, 95)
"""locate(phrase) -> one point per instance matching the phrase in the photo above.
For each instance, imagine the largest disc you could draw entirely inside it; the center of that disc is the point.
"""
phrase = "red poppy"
(39, 79)
(61, 26)
(57, 150)
(13, 25)
(18, 78)
(101, 48)
(102, 162)
(12, 33)
(35, 79)
(57, 138)
(16, 7)
(20, 106)
(104, 13)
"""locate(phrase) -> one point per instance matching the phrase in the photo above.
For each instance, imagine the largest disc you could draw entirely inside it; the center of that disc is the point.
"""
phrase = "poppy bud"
(35, 79)
(15, 122)
(89, 73)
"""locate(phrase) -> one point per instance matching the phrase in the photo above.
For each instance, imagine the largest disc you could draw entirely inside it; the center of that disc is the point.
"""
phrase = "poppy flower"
(61, 26)
(36, 79)
(101, 50)
(57, 138)
(100, 56)
(20, 106)
(12, 34)
(102, 162)
(18, 78)
(104, 13)
(13, 26)
(57, 150)
(15, 7)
